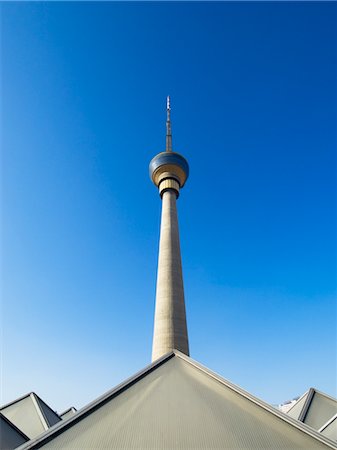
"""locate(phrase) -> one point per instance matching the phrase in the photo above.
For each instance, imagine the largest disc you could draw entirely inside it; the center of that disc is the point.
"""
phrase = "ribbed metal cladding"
(170, 328)
(177, 406)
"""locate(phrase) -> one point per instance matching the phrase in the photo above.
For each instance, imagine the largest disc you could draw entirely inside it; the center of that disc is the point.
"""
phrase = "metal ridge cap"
(306, 405)
(283, 416)
(39, 411)
(49, 408)
(83, 412)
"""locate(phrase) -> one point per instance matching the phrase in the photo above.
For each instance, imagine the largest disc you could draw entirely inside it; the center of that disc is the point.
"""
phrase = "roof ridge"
(43, 404)
(109, 395)
(297, 424)
(95, 404)
(39, 411)
(306, 406)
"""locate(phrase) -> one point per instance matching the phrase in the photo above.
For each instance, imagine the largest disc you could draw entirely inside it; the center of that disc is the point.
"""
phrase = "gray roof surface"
(30, 414)
(296, 409)
(68, 413)
(10, 436)
(330, 428)
(175, 403)
(314, 408)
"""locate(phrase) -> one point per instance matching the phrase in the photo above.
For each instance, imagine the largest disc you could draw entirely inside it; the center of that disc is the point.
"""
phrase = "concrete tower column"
(169, 171)
(170, 329)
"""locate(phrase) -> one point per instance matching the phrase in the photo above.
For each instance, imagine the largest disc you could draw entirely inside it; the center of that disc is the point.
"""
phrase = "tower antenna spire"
(168, 126)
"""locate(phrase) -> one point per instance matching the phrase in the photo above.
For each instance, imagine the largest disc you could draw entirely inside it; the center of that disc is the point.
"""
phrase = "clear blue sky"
(253, 90)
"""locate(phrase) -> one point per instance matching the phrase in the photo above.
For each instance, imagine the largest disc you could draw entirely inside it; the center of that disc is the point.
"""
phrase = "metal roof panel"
(177, 403)
(10, 436)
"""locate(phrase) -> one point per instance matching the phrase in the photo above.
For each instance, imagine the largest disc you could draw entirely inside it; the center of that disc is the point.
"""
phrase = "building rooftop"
(68, 413)
(318, 410)
(30, 414)
(177, 403)
(10, 436)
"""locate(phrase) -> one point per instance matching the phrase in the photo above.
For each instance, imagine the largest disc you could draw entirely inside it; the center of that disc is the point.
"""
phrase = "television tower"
(169, 172)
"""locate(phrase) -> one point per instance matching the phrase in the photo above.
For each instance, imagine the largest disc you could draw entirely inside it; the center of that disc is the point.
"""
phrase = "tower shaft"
(170, 328)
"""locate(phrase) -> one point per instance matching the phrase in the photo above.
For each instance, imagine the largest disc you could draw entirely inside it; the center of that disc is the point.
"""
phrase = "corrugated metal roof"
(10, 436)
(30, 414)
(175, 403)
(315, 409)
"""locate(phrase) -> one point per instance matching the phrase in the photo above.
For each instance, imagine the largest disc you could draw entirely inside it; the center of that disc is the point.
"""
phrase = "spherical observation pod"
(169, 165)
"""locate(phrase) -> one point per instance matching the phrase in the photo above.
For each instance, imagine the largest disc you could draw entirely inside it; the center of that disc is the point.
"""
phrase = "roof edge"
(41, 402)
(67, 410)
(330, 397)
(316, 391)
(16, 400)
(63, 425)
(283, 416)
(100, 401)
(14, 426)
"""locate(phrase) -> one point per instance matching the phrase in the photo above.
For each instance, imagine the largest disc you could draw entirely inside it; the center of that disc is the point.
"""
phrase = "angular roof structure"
(330, 428)
(10, 436)
(68, 413)
(177, 403)
(30, 414)
(318, 410)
